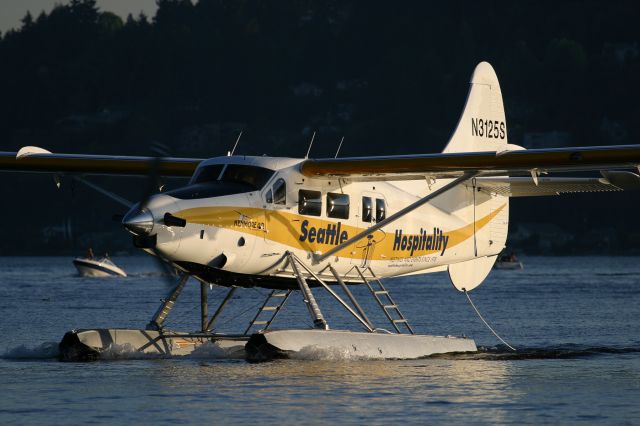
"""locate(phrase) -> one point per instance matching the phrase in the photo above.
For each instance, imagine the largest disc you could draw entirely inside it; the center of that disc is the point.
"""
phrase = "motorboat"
(508, 261)
(97, 267)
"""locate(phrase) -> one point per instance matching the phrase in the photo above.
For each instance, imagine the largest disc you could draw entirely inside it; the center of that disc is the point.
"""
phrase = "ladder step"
(270, 308)
(260, 322)
(390, 306)
(381, 292)
(279, 294)
(400, 320)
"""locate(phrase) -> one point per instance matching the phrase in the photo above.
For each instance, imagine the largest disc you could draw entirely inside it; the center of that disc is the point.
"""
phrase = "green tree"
(110, 22)
(27, 21)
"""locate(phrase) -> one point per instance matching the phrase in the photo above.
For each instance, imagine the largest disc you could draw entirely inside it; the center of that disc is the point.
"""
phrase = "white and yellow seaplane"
(295, 224)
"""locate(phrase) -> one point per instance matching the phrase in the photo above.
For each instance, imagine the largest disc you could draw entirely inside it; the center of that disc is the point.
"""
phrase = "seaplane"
(305, 224)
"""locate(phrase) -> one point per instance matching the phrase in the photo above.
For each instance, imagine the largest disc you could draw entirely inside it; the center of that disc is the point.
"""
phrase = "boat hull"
(95, 344)
(508, 266)
(94, 268)
(348, 344)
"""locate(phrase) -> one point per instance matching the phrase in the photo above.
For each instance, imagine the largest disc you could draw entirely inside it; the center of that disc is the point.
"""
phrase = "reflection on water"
(357, 389)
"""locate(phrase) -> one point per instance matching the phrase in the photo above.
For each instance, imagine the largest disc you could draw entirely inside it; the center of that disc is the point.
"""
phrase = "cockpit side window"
(255, 176)
(207, 174)
(280, 192)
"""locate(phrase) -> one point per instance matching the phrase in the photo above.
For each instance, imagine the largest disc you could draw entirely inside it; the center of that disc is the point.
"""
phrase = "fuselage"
(244, 214)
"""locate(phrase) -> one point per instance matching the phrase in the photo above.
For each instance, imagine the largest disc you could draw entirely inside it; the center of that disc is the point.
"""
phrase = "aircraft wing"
(39, 160)
(452, 165)
(527, 187)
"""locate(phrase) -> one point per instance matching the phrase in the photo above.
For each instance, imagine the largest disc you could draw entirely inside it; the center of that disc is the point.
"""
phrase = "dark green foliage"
(389, 76)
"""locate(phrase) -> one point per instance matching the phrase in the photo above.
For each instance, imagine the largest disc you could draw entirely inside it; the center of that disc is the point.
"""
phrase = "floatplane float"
(288, 224)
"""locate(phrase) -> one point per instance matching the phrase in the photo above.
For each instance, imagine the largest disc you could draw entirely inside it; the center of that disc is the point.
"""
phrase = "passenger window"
(366, 209)
(280, 192)
(309, 202)
(381, 210)
(269, 197)
(338, 205)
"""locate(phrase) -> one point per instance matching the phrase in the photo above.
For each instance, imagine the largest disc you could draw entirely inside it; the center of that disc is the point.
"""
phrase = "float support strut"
(351, 297)
(310, 301)
(215, 316)
(163, 311)
(204, 305)
(333, 294)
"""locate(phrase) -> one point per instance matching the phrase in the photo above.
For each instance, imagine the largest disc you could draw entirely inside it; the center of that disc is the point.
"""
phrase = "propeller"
(140, 221)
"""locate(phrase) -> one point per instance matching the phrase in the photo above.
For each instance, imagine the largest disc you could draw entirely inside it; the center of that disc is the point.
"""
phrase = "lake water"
(574, 320)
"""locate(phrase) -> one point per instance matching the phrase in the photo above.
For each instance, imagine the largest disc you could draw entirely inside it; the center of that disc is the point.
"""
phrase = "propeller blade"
(154, 186)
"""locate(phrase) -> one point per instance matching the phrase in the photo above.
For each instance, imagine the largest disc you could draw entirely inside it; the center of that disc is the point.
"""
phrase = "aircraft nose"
(138, 222)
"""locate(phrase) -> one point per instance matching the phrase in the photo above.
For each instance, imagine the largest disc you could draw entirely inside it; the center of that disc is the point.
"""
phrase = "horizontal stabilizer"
(465, 276)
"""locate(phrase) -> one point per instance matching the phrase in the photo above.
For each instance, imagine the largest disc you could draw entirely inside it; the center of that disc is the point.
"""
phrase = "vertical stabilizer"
(482, 126)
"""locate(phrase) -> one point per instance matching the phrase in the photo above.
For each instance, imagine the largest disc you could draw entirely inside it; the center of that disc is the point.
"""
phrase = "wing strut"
(114, 197)
(395, 216)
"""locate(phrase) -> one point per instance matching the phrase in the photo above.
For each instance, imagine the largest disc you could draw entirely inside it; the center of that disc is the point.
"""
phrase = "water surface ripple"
(574, 322)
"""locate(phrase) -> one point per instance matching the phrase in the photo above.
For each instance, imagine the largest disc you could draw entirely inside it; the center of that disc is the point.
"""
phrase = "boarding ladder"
(382, 296)
(267, 313)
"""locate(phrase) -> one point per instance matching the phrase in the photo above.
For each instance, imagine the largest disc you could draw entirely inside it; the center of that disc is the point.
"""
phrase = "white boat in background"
(508, 261)
(97, 267)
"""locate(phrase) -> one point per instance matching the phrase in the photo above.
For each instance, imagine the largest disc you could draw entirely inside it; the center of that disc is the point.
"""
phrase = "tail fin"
(482, 126)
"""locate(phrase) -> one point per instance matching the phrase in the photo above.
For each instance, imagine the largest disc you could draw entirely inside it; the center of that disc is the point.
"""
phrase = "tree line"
(387, 76)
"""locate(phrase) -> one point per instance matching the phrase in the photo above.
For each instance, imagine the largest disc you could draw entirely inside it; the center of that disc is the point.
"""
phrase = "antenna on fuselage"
(230, 153)
(339, 146)
(310, 145)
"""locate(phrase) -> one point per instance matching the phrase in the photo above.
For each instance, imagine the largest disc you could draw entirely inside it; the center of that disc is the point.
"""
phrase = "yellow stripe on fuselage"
(287, 228)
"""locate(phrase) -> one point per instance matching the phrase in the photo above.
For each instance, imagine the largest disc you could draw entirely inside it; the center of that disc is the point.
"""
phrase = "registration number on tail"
(491, 129)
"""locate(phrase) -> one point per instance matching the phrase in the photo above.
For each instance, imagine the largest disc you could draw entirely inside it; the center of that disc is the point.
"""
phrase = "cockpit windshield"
(254, 176)
(207, 173)
(217, 180)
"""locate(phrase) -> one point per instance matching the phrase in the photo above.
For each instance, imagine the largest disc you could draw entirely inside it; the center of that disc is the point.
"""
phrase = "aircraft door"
(274, 199)
(373, 209)
(244, 245)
